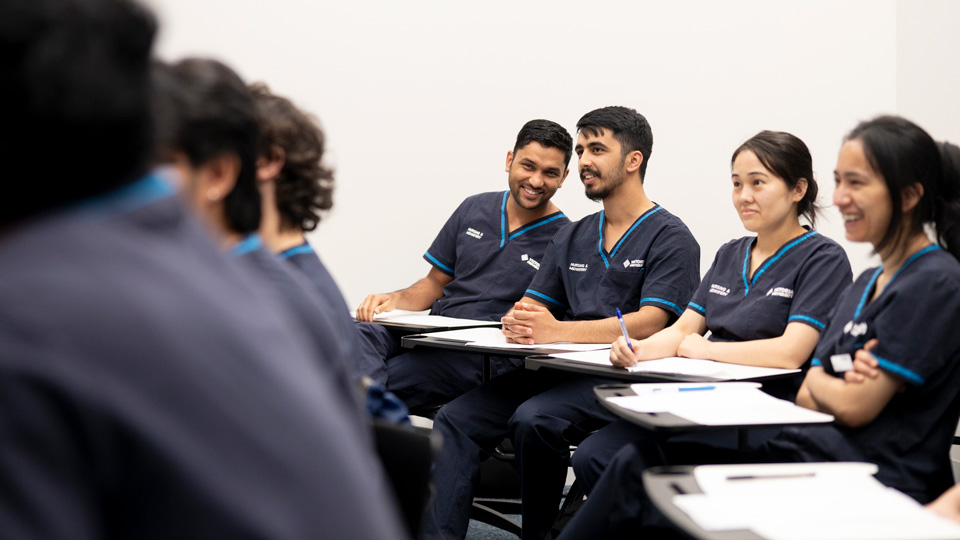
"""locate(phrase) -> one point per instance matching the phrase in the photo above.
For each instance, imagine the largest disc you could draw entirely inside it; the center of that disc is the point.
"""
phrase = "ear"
(800, 190)
(910, 196)
(633, 161)
(562, 178)
(221, 175)
(509, 160)
(269, 167)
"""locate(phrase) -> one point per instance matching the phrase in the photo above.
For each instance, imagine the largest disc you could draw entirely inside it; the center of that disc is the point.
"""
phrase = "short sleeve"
(701, 298)
(547, 284)
(917, 330)
(822, 279)
(673, 271)
(443, 251)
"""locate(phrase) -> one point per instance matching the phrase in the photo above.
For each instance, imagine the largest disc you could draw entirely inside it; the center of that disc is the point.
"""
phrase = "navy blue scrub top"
(490, 266)
(916, 320)
(799, 283)
(655, 263)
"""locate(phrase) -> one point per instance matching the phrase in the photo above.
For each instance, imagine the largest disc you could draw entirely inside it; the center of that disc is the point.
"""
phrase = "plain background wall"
(421, 100)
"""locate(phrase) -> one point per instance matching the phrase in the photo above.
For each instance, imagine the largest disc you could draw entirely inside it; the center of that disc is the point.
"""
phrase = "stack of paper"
(717, 404)
(424, 319)
(494, 338)
(809, 501)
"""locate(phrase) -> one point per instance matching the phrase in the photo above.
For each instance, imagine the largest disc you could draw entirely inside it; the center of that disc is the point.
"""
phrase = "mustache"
(594, 172)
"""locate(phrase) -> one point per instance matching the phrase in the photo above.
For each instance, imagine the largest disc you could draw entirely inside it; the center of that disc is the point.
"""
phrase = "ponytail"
(947, 209)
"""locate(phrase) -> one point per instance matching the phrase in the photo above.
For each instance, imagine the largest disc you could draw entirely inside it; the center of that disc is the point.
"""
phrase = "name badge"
(841, 362)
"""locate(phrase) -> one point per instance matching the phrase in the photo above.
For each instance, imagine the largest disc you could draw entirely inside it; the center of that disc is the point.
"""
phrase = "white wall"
(421, 100)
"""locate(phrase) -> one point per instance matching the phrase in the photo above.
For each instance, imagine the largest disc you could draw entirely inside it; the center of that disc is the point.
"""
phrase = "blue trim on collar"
(535, 225)
(503, 219)
(128, 198)
(903, 372)
(873, 279)
(296, 250)
(810, 320)
(698, 308)
(815, 363)
(623, 238)
(866, 291)
(545, 297)
(746, 259)
(248, 244)
(775, 258)
(437, 263)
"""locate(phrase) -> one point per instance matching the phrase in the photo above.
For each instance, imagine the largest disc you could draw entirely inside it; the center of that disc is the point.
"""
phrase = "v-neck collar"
(506, 235)
(876, 274)
(603, 254)
(747, 282)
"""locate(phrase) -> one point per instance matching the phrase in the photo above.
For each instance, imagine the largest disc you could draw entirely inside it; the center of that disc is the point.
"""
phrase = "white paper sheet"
(807, 501)
(422, 318)
(493, 337)
(681, 366)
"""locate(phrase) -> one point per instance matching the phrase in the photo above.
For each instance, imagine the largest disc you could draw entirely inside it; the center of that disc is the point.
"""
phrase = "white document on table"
(493, 337)
(717, 404)
(807, 501)
(424, 319)
(681, 366)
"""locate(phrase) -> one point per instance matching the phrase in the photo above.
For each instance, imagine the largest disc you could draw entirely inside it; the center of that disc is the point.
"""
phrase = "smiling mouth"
(588, 174)
(530, 192)
(849, 218)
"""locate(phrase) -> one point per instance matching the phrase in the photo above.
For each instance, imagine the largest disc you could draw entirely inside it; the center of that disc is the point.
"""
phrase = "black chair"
(407, 455)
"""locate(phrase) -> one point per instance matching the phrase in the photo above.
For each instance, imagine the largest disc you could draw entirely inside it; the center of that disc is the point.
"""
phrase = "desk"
(426, 340)
(421, 323)
(662, 483)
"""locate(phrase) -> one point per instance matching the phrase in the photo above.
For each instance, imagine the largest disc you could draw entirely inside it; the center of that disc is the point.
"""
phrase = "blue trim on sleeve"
(697, 307)
(296, 250)
(866, 291)
(545, 297)
(248, 244)
(899, 370)
(673, 306)
(815, 362)
(503, 219)
(810, 320)
(438, 264)
(535, 225)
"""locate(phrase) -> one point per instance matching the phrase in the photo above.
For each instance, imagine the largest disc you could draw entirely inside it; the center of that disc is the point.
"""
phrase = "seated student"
(481, 262)
(904, 314)
(634, 255)
(295, 188)
(764, 300)
(213, 145)
(140, 395)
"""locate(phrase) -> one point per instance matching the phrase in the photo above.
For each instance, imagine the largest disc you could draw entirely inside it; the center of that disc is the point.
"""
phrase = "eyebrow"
(751, 173)
(528, 161)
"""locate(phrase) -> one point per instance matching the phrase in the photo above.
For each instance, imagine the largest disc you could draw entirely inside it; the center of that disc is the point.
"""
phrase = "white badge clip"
(841, 362)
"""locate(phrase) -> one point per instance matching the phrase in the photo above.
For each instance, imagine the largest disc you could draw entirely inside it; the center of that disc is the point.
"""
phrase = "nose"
(746, 194)
(840, 196)
(536, 180)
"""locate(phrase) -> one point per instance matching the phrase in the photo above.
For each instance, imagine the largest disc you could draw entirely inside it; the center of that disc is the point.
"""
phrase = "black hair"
(629, 128)
(213, 113)
(788, 157)
(547, 133)
(76, 119)
(903, 154)
(304, 187)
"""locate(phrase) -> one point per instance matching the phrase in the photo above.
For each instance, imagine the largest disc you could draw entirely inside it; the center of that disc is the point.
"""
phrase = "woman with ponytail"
(887, 365)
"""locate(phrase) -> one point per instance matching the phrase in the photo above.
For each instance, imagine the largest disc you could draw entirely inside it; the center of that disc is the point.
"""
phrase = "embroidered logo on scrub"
(782, 292)
(719, 289)
(474, 233)
(855, 330)
(526, 258)
(578, 267)
(635, 263)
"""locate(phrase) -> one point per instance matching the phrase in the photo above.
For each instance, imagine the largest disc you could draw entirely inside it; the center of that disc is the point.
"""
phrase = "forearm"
(853, 404)
(640, 324)
(418, 296)
(759, 352)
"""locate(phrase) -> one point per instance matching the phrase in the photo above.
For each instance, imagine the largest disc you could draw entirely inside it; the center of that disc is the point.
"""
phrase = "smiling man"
(633, 255)
(482, 261)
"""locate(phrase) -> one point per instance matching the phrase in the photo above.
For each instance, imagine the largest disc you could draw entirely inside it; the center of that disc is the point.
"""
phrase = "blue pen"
(623, 328)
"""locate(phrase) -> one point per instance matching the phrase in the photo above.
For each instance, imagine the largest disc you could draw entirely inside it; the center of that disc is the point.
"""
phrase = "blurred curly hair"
(305, 185)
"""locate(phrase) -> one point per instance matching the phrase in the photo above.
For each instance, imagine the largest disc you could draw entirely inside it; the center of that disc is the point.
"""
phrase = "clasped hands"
(530, 323)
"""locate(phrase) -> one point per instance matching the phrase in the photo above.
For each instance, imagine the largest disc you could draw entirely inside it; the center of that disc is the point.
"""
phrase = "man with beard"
(633, 255)
(482, 261)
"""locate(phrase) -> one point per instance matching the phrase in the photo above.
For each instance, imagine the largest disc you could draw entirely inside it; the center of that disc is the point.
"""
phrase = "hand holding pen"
(622, 351)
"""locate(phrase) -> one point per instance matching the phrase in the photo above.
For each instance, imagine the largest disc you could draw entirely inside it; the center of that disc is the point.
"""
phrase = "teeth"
(850, 217)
